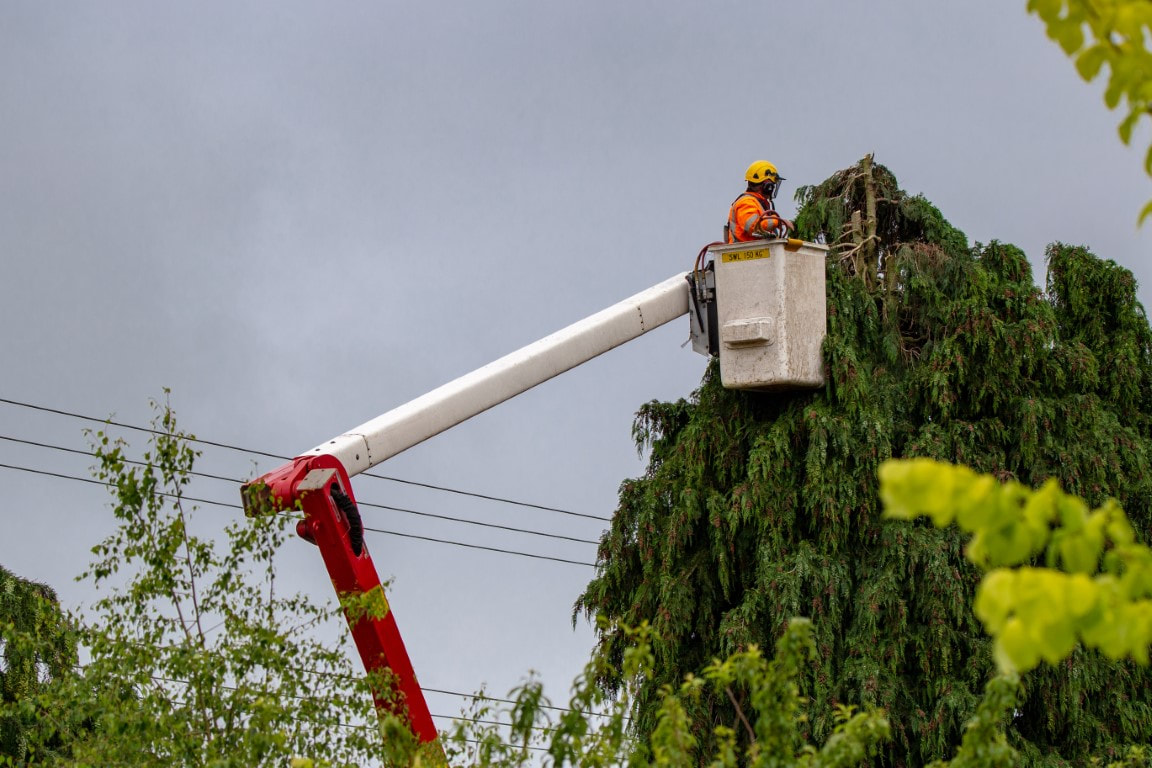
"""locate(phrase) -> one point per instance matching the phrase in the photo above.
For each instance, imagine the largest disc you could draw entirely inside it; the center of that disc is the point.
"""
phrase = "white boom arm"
(398, 430)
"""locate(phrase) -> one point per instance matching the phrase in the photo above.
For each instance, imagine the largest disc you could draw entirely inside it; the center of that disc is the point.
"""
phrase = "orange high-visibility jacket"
(745, 215)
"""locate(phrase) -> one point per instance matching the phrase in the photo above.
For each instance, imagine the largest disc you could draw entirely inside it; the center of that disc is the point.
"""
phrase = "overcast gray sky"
(298, 216)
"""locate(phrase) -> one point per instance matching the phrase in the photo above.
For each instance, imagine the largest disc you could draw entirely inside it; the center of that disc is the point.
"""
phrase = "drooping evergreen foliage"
(37, 644)
(756, 508)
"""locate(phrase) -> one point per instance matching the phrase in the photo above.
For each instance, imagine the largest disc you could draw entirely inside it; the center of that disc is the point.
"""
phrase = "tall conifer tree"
(37, 645)
(759, 507)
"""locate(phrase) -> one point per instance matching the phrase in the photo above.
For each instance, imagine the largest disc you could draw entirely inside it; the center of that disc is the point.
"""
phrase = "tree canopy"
(1096, 588)
(1101, 594)
(38, 646)
(756, 508)
(193, 654)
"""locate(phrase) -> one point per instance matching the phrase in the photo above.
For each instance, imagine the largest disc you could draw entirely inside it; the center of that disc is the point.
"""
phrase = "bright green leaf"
(1080, 554)
(917, 486)
(1015, 650)
(1057, 639)
(1047, 10)
(1114, 91)
(1068, 34)
(1081, 595)
(1073, 512)
(1042, 506)
(972, 498)
(1119, 530)
(1089, 62)
(1127, 124)
(1145, 212)
(993, 602)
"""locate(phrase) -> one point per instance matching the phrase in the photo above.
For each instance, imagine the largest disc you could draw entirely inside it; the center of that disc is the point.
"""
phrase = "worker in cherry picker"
(752, 215)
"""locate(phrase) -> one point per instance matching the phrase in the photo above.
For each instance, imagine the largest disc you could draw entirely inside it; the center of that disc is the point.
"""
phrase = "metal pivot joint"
(319, 486)
(702, 315)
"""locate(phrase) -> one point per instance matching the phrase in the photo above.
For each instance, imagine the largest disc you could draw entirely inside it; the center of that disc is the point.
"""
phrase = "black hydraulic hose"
(695, 299)
(355, 525)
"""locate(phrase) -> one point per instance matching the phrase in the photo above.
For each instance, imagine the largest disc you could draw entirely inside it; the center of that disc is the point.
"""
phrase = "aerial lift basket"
(760, 306)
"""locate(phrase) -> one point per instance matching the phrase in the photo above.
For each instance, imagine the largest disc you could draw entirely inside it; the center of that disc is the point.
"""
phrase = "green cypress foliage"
(756, 508)
(37, 644)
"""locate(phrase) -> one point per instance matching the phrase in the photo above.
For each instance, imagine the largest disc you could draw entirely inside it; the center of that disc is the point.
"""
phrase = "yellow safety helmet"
(762, 170)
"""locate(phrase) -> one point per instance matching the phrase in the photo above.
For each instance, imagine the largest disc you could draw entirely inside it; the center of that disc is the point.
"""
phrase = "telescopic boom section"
(318, 482)
(401, 428)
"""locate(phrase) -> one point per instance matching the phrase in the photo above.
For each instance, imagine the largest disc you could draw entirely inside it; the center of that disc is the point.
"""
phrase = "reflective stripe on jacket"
(745, 214)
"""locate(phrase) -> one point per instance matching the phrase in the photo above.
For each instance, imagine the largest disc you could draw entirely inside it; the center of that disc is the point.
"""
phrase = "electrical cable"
(479, 546)
(404, 510)
(489, 498)
(446, 489)
(446, 692)
(433, 515)
(478, 720)
(374, 530)
(149, 430)
(301, 697)
(110, 485)
(485, 697)
(80, 452)
(480, 697)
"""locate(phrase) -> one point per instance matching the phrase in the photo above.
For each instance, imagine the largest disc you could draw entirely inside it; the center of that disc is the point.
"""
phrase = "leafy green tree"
(38, 646)
(593, 730)
(193, 655)
(1112, 34)
(1095, 589)
(756, 508)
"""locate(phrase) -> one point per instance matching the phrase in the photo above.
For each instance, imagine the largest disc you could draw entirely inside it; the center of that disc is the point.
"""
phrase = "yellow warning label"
(759, 253)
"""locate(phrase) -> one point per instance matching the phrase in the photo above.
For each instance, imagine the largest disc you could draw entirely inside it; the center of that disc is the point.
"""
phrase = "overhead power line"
(424, 688)
(365, 726)
(76, 478)
(479, 546)
(252, 451)
(485, 697)
(435, 516)
(488, 498)
(301, 697)
(80, 452)
(135, 427)
(404, 510)
(443, 691)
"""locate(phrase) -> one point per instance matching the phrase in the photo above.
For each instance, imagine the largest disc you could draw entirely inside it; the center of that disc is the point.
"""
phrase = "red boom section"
(310, 480)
